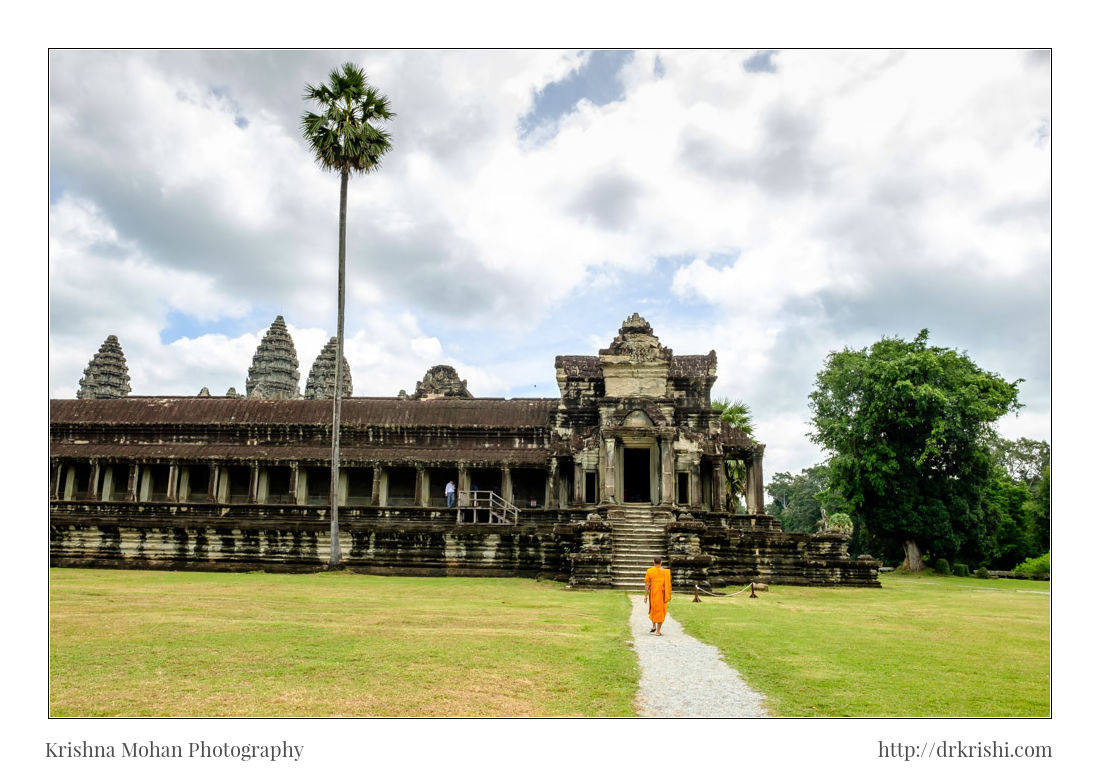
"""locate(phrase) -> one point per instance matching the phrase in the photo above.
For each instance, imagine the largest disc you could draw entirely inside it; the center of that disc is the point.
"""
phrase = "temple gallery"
(630, 461)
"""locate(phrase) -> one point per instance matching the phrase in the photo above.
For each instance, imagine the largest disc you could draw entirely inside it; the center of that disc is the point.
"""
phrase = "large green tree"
(910, 426)
(345, 138)
(736, 413)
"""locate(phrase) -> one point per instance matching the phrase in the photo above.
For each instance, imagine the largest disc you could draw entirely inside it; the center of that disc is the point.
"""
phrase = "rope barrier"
(699, 590)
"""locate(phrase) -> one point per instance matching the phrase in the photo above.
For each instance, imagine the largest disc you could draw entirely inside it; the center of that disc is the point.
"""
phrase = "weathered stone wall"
(591, 558)
(558, 544)
(393, 541)
(741, 557)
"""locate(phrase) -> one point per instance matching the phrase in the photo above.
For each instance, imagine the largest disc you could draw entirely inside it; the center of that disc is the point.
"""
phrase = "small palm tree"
(344, 137)
(737, 414)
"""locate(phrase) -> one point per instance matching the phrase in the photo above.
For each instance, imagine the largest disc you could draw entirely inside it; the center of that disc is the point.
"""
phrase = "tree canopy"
(910, 427)
(736, 413)
(345, 135)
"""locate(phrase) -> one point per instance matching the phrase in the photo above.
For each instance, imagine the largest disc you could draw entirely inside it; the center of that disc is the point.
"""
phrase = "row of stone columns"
(138, 487)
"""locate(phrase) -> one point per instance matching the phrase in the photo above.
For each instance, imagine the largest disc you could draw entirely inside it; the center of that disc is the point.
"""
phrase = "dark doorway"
(240, 484)
(485, 480)
(590, 488)
(198, 484)
(682, 488)
(278, 485)
(636, 475)
(528, 487)
(401, 490)
(360, 485)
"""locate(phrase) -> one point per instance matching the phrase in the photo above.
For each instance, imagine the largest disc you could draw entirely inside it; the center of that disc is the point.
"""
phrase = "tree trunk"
(913, 562)
(338, 390)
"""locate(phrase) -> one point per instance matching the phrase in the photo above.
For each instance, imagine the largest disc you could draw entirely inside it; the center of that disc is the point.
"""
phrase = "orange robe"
(659, 586)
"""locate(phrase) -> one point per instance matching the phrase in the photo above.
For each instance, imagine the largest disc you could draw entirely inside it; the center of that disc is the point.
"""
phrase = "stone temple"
(627, 463)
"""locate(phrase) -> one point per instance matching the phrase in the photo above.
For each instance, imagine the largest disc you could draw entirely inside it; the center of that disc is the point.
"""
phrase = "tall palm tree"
(737, 414)
(345, 138)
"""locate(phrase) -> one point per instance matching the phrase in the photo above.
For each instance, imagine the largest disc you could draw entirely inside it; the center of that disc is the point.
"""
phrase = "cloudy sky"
(771, 205)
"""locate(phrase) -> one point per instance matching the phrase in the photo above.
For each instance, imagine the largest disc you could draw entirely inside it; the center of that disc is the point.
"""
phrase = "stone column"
(419, 497)
(93, 481)
(173, 482)
(132, 483)
(253, 483)
(68, 478)
(757, 469)
(222, 494)
(144, 483)
(376, 484)
(552, 485)
(668, 472)
(719, 497)
(608, 489)
(578, 482)
(506, 483)
(751, 504)
(183, 488)
(292, 497)
(212, 483)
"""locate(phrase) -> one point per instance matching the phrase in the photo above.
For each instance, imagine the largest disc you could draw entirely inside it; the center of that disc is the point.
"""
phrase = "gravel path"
(684, 678)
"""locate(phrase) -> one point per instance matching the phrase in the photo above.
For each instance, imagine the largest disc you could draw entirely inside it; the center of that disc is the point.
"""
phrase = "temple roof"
(349, 454)
(363, 411)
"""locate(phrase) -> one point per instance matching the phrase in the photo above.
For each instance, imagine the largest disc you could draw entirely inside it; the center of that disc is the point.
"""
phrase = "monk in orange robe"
(658, 592)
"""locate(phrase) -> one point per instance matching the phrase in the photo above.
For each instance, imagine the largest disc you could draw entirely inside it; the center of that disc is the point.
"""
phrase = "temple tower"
(441, 381)
(321, 382)
(274, 371)
(106, 376)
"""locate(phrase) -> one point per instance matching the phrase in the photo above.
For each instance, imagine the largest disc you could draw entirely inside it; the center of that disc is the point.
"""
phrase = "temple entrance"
(636, 471)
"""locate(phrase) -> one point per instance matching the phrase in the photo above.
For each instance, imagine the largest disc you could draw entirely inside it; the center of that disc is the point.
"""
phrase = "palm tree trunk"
(338, 390)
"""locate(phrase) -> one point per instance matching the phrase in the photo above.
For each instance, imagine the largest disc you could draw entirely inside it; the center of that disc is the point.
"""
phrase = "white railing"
(487, 504)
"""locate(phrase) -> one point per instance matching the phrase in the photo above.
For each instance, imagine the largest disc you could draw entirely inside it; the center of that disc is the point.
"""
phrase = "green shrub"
(960, 570)
(1034, 567)
(982, 572)
(943, 567)
(841, 521)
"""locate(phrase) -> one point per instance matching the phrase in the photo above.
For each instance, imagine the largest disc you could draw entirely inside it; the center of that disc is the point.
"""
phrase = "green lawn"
(923, 645)
(137, 643)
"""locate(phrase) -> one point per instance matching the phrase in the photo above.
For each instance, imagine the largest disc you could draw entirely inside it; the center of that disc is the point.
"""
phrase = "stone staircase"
(638, 535)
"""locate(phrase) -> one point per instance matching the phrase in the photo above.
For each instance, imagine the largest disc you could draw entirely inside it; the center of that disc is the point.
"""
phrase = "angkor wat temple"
(628, 463)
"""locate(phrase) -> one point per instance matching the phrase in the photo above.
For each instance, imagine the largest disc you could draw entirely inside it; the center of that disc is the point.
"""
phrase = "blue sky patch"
(597, 80)
(761, 62)
(179, 324)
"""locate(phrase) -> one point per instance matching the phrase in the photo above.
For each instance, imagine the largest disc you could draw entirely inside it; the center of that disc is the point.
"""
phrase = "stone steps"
(638, 535)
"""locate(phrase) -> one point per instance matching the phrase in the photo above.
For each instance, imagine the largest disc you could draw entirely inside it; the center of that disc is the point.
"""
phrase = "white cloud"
(845, 196)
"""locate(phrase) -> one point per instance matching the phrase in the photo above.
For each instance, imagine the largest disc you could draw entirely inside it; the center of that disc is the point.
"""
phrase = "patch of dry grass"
(139, 643)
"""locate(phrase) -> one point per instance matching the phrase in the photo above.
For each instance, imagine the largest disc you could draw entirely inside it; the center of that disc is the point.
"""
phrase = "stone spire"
(106, 376)
(322, 376)
(274, 371)
(636, 343)
(441, 381)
